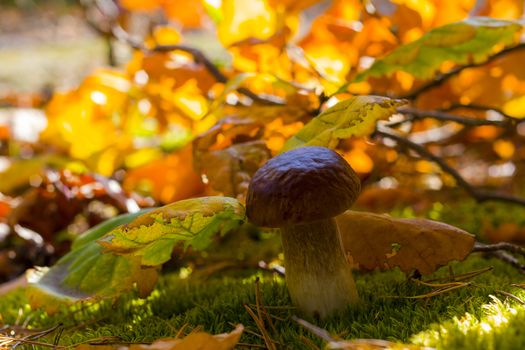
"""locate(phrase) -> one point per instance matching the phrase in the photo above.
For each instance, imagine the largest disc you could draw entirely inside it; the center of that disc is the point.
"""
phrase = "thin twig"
(463, 276)
(443, 116)
(509, 247)
(261, 309)
(432, 293)
(478, 194)
(439, 80)
(483, 108)
(198, 56)
(510, 295)
(260, 324)
(321, 333)
(508, 259)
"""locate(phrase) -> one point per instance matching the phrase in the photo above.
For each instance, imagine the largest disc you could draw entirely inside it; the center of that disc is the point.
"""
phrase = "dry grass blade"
(512, 296)
(261, 309)
(432, 293)
(180, 333)
(435, 285)
(250, 346)
(11, 343)
(463, 276)
(321, 333)
(309, 343)
(260, 324)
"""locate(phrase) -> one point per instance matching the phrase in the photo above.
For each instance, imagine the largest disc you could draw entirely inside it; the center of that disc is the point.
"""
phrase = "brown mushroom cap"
(299, 186)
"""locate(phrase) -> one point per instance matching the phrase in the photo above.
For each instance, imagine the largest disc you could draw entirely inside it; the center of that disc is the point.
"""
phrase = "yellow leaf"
(515, 107)
(193, 341)
(196, 341)
(355, 116)
(504, 148)
(243, 19)
(165, 35)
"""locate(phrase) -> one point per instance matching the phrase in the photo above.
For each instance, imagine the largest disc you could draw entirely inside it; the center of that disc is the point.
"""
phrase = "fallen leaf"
(196, 341)
(380, 241)
(193, 341)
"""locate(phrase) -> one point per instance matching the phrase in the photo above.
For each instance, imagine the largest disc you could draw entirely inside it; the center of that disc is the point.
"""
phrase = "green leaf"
(355, 116)
(152, 236)
(85, 273)
(466, 42)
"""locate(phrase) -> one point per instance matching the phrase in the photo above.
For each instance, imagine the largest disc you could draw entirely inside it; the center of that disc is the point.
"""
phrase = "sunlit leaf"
(355, 116)
(193, 341)
(86, 274)
(470, 41)
(243, 19)
(192, 222)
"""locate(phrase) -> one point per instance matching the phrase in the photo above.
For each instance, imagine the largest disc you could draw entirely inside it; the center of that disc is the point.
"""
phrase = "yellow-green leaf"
(86, 274)
(355, 116)
(469, 41)
(194, 222)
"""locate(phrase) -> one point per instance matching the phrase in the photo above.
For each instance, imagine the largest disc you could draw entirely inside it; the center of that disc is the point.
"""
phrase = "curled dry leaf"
(380, 241)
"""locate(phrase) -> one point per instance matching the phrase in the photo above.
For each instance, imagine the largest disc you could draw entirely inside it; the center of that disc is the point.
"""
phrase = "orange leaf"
(168, 179)
(380, 241)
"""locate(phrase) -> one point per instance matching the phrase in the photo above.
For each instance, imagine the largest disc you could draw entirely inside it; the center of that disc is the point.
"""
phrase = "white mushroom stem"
(318, 275)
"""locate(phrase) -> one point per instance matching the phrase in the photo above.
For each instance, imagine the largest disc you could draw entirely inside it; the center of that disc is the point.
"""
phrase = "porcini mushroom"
(300, 192)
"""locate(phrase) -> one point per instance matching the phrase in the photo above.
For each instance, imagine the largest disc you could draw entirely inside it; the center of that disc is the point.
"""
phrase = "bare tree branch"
(478, 194)
(440, 79)
(443, 116)
(198, 57)
(478, 107)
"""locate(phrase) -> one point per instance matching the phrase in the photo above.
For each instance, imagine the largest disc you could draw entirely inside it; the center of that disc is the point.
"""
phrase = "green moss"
(216, 304)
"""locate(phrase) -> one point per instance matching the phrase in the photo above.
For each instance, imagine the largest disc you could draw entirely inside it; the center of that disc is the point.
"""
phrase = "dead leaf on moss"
(193, 341)
(380, 241)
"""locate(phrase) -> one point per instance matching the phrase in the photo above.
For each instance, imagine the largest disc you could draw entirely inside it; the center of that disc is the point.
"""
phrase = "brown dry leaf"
(193, 341)
(380, 241)
(230, 170)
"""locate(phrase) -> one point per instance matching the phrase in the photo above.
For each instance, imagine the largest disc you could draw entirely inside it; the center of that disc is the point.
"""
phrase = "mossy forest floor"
(478, 316)
(486, 314)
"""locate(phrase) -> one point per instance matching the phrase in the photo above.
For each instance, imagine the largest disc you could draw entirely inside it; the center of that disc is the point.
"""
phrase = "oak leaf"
(380, 241)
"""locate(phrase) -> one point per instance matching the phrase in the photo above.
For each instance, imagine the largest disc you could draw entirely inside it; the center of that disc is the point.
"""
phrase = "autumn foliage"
(177, 122)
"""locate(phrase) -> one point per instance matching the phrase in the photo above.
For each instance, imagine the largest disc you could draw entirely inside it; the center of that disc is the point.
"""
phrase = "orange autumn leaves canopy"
(143, 118)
